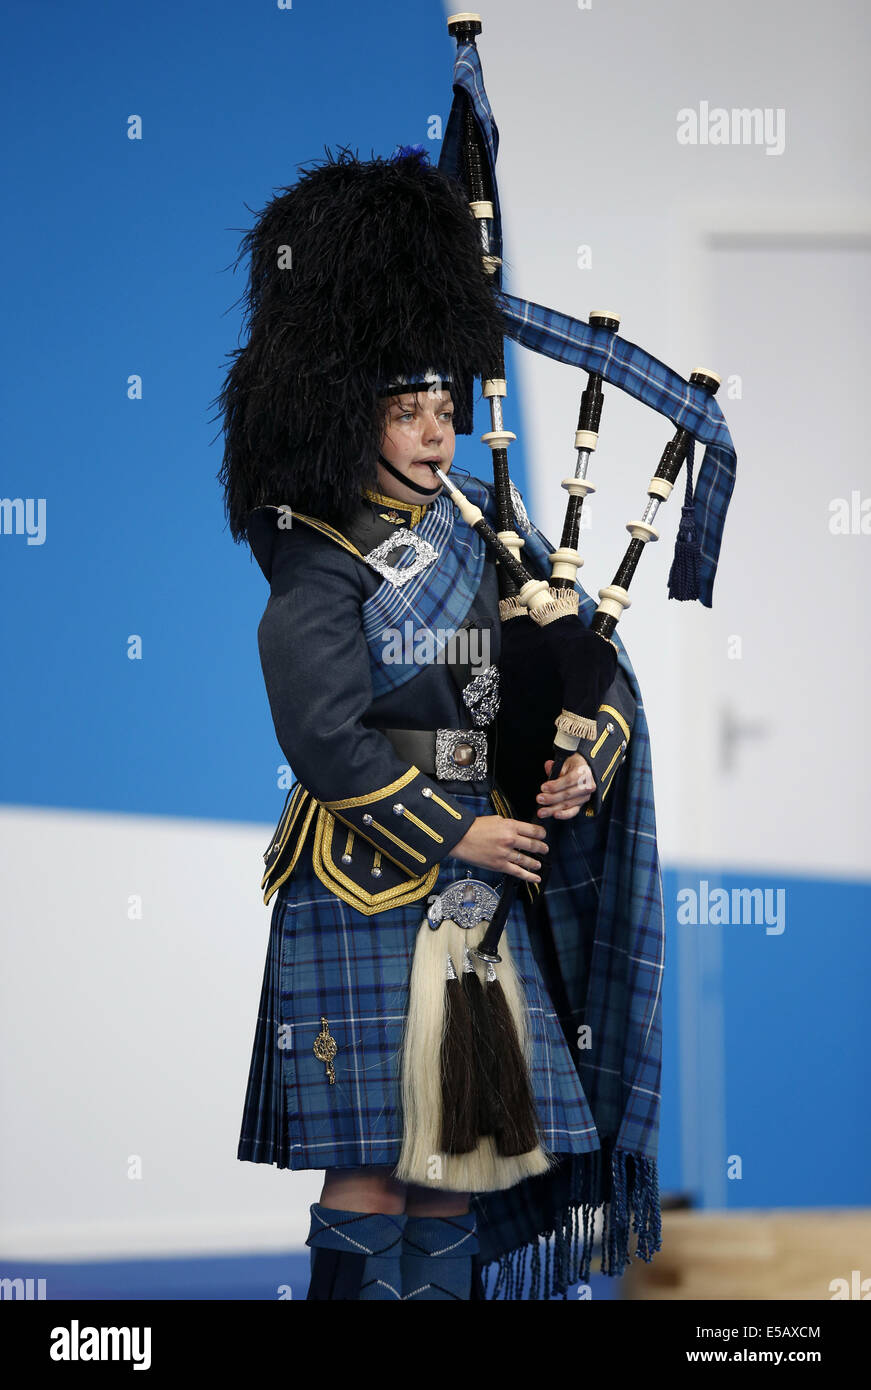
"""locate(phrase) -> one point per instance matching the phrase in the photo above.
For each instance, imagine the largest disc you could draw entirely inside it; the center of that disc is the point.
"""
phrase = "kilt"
(327, 961)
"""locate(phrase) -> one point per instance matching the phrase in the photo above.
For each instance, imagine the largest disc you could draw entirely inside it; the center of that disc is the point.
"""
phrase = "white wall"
(130, 1039)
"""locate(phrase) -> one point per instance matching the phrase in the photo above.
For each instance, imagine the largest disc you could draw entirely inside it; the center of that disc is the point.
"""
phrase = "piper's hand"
(566, 794)
(508, 846)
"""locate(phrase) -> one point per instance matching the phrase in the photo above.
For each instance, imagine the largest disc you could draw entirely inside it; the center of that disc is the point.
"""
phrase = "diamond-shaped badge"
(424, 554)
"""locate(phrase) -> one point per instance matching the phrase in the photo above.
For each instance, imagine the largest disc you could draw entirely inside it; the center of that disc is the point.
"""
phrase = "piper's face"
(418, 426)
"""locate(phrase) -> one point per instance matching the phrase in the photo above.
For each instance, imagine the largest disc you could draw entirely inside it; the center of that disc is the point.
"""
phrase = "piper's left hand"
(566, 794)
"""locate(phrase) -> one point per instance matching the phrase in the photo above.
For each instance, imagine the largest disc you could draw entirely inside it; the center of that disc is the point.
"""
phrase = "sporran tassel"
(459, 1077)
(517, 1130)
(482, 1058)
(443, 1145)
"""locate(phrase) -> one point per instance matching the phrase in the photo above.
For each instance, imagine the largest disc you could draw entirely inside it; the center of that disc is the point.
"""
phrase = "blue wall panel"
(123, 251)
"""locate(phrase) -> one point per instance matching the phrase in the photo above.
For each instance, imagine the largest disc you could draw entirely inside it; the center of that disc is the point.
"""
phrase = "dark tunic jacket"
(375, 823)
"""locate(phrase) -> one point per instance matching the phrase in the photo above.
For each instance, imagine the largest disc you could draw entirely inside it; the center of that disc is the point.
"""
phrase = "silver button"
(376, 873)
(346, 859)
(610, 727)
(398, 809)
(367, 820)
(426, 791)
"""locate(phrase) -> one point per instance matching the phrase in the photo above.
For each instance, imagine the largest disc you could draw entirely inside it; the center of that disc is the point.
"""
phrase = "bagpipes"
(552, 641)
(476, 1116)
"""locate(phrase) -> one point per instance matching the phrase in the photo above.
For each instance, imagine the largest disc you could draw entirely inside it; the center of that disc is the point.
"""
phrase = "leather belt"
(450, 755)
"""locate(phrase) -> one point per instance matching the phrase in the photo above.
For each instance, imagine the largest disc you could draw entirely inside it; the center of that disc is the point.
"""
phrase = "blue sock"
(437, 1256)
(368, 1248)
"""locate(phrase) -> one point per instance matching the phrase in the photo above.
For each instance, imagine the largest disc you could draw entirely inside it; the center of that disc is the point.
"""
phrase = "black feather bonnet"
(361, 272)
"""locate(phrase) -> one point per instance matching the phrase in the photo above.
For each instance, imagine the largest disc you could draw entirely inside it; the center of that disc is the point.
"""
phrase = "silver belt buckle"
(461, 755)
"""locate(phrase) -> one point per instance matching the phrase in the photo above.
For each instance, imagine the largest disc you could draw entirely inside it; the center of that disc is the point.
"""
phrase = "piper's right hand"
(508, 846)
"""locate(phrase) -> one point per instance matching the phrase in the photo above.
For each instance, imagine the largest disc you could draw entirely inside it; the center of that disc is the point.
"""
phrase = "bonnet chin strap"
(406, 482)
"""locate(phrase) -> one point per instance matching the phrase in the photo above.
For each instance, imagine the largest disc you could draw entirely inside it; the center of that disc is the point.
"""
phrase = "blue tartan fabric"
(326, 960)
(605, 912)
(468, 84)
(635, 371)
(434, 602)
(609, 940)
(618, 361)
(437, 1258)
(374, 1238)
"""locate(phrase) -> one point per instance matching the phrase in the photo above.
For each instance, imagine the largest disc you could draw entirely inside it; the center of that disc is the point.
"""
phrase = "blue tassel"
(630, 1202)
(403, 151)
(683, 578)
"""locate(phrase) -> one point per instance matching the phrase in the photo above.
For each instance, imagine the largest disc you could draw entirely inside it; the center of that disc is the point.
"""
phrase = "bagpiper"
(471, 1118)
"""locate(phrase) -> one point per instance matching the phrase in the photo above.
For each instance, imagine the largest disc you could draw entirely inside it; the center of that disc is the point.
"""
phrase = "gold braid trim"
(609, 709)
(338, 882)
(326, 530)
(457, 815)
(285, 826)
(415, 509)
(276, 884)
(576, 725)
(369, 797)
(610, 765)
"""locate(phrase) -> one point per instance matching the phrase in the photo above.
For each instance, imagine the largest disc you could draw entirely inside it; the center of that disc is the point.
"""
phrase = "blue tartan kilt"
(326, 960)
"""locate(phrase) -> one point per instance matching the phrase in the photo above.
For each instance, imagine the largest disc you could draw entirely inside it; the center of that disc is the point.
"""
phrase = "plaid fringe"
(562, 1255)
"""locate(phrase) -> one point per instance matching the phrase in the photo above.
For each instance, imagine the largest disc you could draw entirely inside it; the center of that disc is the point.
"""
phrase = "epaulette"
(264, 523)
(360, 535)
